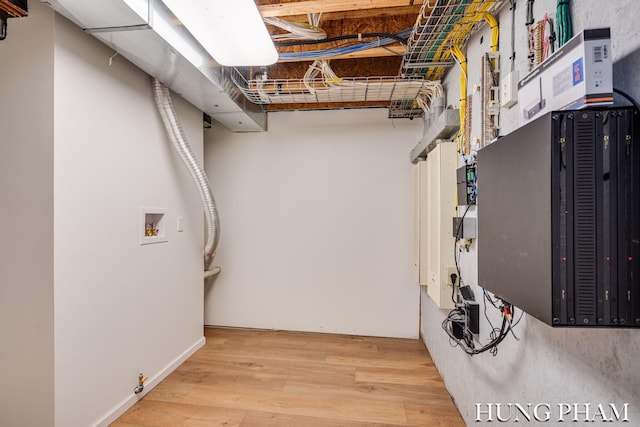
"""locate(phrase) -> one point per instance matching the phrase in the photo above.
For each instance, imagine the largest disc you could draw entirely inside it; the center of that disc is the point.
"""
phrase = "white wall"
(26, 222)
(316, 224)
(82, 149)
(548, 365)
(120, 308)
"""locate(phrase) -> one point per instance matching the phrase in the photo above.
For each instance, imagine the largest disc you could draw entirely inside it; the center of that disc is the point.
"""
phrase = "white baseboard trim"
(127, 403)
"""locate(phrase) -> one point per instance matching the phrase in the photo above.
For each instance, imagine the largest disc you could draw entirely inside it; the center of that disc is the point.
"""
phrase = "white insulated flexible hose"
(181, 145)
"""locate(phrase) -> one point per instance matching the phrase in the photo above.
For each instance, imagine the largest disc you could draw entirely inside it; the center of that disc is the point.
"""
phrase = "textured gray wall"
(547, 365)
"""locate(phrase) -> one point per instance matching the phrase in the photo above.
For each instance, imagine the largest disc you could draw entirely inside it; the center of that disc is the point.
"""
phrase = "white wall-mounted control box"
(577, 75)
(509, 90)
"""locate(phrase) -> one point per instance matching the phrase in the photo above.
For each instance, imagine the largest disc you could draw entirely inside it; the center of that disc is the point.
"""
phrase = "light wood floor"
(272, 378)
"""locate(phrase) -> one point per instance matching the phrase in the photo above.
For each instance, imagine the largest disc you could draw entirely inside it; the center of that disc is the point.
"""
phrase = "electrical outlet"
(509, 90)
(451, 270)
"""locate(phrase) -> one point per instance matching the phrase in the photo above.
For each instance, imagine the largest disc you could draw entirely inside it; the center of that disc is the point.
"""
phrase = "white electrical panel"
(418, 178)
(434, 208)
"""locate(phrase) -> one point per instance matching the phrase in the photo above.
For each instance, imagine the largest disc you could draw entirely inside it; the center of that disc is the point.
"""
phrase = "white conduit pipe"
(181, 145)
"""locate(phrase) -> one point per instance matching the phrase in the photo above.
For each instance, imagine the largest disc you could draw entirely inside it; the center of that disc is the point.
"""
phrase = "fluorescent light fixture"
(232, 31)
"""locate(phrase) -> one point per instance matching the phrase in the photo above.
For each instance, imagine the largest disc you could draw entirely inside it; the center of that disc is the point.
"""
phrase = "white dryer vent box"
(577, 75)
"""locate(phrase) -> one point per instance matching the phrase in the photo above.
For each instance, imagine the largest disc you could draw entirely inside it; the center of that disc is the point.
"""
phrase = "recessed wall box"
(577, 75)
(153, 225)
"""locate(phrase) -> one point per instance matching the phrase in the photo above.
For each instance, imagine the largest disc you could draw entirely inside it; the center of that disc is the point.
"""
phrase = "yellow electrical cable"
(462, 61)
(452, 46)
(458, 35)
(495, 30)
(459, 55)
(465, 25)
(443, 53)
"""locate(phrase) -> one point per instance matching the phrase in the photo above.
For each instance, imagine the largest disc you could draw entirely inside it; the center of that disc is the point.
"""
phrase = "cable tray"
(440, 24)
(344, 89)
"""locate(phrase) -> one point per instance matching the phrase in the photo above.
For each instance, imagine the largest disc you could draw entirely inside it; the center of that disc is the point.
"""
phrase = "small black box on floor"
(457, 328)
(473, 316)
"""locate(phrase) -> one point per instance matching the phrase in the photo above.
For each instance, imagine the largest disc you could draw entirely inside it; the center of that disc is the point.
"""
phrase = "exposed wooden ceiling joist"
(376, 52)
(327, 105)
(326, 6)
(360, 67)
(362, 14)
(371, 23)
(14, 8)
(342, 18)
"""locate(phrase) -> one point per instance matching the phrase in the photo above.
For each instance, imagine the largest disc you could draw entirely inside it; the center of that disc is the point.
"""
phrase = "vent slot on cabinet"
(585, 220)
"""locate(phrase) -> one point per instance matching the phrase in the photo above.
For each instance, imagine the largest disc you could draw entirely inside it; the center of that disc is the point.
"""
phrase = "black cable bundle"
(455, 324)
(466, 342)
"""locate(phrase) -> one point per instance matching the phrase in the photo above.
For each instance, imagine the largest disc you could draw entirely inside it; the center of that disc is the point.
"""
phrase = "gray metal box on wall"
(559, 218)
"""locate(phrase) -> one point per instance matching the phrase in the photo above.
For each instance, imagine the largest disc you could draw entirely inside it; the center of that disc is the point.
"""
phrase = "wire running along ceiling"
(440, 25)
(448, 23)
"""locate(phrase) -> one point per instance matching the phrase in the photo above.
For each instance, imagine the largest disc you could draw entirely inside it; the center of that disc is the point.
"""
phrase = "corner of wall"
(26, 246)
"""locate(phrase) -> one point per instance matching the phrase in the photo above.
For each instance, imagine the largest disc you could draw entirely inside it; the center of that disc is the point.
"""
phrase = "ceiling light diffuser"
(232, 31)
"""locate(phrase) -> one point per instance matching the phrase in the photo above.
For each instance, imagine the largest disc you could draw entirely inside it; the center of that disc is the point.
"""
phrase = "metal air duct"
(151, 37)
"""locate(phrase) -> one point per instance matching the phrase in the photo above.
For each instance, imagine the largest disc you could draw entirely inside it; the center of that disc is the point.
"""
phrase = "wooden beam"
(362, 67)
(327, 6)
(393, 50)
(327, 105)
(298, 86)
(15, 10)
(411, 11)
